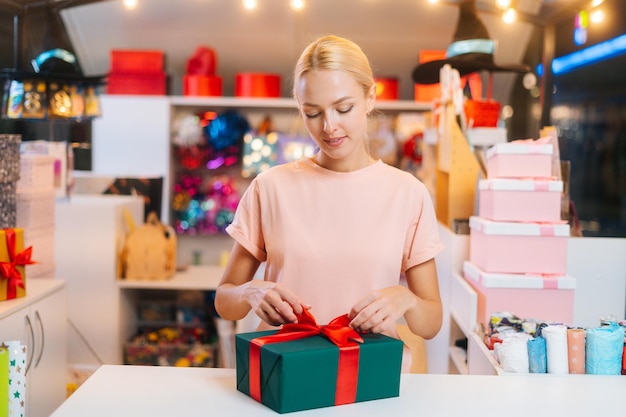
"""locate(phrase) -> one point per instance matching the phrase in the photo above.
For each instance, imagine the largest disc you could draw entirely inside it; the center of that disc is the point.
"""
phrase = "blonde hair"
(332, 52)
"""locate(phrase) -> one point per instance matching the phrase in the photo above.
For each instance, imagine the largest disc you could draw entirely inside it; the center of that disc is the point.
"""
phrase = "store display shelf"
(458, 356)
(285, 103)
(476, 340)
(194, 277)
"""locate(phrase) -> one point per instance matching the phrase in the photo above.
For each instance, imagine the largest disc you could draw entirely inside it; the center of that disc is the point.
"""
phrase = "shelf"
(459, 359)
(195, 277)
(285, 103)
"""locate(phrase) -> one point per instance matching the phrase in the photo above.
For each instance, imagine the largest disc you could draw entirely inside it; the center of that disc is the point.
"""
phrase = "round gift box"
(257, 85)
(202, 85)
(386, 88)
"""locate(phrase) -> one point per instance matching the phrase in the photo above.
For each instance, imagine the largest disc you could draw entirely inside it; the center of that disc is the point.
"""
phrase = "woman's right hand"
(273, 303)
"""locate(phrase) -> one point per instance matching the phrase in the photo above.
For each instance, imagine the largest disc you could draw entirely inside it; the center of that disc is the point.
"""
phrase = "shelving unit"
(133, 138)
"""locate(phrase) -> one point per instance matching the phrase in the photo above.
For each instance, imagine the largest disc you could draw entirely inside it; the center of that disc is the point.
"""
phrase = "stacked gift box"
(36, 196)
(137, 72)
(9, 174)
(518, 243)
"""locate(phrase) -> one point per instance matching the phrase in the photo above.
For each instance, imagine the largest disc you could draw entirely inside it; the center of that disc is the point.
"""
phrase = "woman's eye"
(311, 115)
(345, 110)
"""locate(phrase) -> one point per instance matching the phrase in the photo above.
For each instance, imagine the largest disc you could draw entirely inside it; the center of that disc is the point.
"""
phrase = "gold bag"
(149, 251)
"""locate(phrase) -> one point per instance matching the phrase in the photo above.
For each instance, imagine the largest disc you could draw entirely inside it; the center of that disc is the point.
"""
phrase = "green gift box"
(302, 374)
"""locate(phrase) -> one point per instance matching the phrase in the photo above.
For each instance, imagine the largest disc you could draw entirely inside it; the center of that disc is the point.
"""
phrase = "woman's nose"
(329, 124)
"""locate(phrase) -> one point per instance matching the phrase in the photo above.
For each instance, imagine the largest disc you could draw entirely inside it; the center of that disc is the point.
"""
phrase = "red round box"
(202, 85)
(250, 84)
(387, 88)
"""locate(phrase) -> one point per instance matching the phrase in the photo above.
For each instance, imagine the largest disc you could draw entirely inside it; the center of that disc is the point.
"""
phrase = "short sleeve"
(422, 241)
(246, 227)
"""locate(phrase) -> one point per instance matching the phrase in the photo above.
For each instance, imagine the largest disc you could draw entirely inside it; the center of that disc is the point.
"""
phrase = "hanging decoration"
(204, 207)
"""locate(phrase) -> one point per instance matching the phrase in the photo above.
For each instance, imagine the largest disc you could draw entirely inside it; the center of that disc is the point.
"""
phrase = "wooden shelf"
(196, 277)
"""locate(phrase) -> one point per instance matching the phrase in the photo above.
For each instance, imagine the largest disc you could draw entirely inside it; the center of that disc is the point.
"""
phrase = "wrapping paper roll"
(537, 363)
(576, 350)
(624, 359)
(604, 349)
(17, 378)
(512, 353)
(556, 349)
(4, 380)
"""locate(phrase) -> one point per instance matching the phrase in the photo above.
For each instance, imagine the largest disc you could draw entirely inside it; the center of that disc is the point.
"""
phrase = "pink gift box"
(519, 160)
(515, 247)
(548, 298)
(520, 200)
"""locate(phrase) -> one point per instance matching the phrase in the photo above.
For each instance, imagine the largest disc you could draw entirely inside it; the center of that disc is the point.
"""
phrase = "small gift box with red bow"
(304, 366)
(13, 259)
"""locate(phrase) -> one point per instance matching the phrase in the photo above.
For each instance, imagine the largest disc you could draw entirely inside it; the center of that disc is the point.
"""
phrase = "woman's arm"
(238, 292)
(419, 303)
(425, 317)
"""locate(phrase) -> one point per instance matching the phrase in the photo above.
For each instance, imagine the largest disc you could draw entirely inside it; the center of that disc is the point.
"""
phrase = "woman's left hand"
(381, 309)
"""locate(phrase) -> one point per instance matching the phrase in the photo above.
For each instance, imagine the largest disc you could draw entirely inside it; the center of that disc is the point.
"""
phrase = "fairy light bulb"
(596, 16)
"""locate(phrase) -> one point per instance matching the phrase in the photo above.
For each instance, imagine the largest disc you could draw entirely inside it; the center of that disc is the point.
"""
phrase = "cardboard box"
(302, 374)
(137, 83)
(518, 248)
(519, 160)
(137, 61)
(532, 296)
(518, 200)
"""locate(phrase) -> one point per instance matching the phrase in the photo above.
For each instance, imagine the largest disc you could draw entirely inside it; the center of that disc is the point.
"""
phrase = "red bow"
(8, 270)
(337, 331)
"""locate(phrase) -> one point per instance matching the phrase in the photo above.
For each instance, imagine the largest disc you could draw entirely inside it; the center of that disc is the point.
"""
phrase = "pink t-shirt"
(332, 237)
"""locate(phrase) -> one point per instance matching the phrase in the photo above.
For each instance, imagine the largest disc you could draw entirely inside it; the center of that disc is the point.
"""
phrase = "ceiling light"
(249, 4)
(509, 16)
(130, 4)
(503, 4)
(297, 4)
(433, 1)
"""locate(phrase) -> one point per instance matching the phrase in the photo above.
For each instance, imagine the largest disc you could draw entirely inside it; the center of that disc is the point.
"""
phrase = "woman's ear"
(370, 99)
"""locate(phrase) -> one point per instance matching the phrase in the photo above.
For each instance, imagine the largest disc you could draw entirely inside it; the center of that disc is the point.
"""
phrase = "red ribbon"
(8, 270)
(337, 331)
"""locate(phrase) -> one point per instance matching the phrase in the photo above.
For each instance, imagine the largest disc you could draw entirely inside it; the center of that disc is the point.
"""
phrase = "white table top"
(151, 391)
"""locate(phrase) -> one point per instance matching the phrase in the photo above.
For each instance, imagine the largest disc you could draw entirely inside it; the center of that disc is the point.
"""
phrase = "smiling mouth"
(334, 141)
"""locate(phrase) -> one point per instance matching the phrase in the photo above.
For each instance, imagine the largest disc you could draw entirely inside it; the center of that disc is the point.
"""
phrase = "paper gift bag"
(17, 378)
(4, 380)
(13, 259)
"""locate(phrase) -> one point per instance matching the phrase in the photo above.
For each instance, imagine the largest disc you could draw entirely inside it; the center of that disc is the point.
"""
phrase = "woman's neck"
(343, 165)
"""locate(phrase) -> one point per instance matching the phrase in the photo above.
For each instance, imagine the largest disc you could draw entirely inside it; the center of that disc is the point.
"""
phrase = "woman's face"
(334, 110)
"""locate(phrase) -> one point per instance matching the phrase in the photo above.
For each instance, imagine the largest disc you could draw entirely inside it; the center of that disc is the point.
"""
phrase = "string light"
(596, 16)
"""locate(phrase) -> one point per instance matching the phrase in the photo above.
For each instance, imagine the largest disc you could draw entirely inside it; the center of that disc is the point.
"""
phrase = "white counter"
(117, 390)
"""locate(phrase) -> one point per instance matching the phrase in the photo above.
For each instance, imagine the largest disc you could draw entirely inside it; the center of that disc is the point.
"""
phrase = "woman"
(336, 230)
